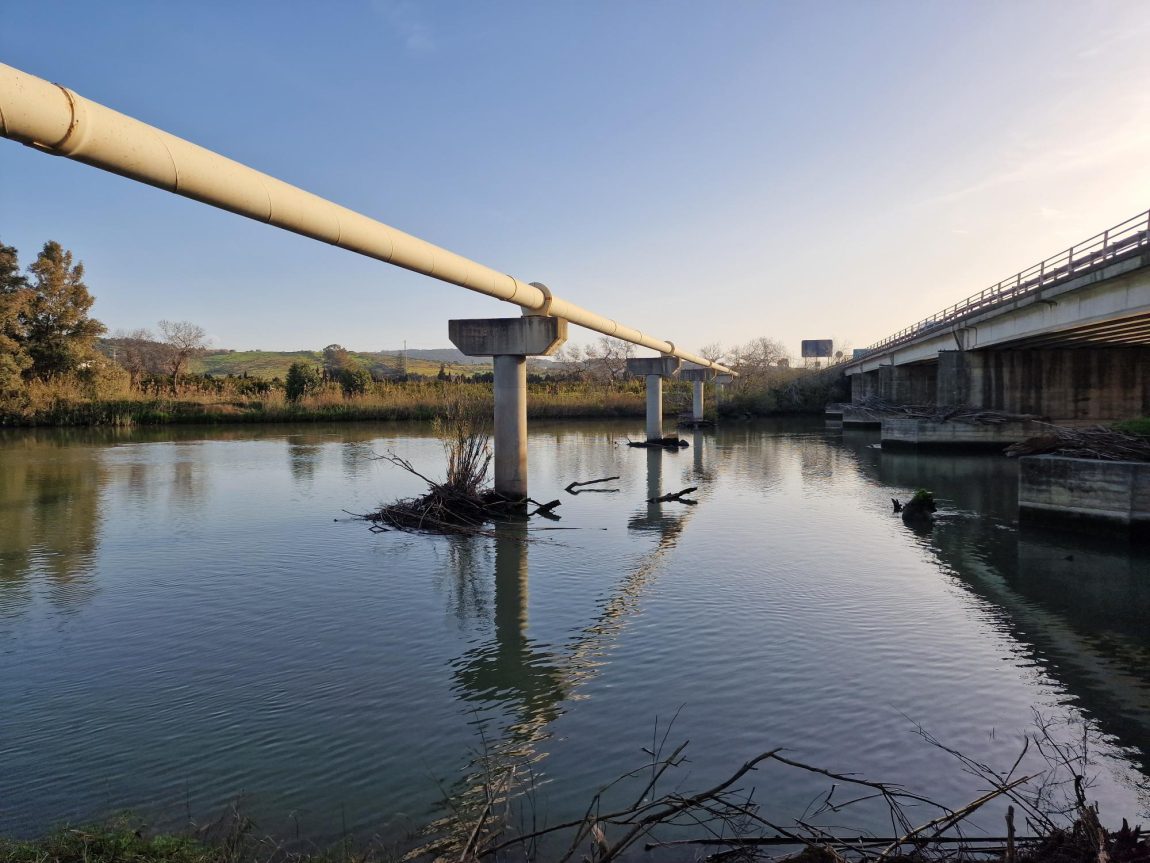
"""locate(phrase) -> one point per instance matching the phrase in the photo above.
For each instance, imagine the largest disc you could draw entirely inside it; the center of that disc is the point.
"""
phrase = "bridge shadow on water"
(1078, 607)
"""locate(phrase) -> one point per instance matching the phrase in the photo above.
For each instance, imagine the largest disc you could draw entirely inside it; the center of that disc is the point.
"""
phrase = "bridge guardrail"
(1119, 242)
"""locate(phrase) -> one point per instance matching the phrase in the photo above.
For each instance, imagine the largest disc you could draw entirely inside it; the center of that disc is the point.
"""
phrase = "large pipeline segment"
(56, 120)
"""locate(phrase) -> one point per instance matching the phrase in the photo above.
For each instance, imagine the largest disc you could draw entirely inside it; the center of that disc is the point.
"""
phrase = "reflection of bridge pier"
(509, 668)
(509, 672)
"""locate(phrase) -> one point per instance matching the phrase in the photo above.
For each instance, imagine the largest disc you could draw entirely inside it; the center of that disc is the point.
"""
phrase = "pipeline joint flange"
(548, 298)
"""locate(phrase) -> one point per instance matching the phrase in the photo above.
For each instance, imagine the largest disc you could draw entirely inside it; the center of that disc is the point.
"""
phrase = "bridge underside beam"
(1086, 384)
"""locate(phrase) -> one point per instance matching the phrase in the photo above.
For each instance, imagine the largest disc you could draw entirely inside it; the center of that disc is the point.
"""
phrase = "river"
(189, 616)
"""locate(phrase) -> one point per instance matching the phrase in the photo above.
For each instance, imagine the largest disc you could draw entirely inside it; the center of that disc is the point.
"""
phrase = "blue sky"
(705, 172)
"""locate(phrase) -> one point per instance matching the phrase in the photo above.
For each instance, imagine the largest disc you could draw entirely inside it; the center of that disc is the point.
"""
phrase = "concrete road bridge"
(1067, 339)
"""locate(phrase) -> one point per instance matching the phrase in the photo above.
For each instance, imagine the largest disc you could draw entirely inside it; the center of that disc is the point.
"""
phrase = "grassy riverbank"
(230, 401)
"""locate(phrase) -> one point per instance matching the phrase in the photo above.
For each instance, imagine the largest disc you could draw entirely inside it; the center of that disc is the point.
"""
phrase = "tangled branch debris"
(878, 408)
(726, 823)
(461, 503)
(1097, 442)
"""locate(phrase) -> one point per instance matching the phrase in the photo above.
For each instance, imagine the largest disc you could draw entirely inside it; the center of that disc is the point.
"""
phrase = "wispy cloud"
(404, 18)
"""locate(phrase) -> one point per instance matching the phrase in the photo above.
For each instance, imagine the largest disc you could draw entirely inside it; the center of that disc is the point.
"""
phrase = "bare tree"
(713, 352)
(138, 352)
(183, 340)
(606, 360)
(758, 355)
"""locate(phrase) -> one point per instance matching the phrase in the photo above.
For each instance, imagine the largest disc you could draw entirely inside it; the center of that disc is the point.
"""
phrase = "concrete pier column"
(654, 407)
(721, 382)
(510, 458)
(509, 341)
(654, 369)
(698, 377)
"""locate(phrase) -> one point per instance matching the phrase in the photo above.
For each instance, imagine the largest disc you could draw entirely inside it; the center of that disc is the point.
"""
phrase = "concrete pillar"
(960, 379)
(654, 369)
(510, 458)
(509, 341)
(698, 377)
(914, 384)
(720, 382)
(654, 407)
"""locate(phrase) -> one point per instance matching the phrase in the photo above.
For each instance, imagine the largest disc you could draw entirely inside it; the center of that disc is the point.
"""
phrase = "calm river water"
(188, 616)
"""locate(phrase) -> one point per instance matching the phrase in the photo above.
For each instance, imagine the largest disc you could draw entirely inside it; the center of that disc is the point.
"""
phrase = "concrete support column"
(654, 407)
(509, 341)
(720, 382)
(510, 457)
(654, 369)
(698, 377)
(959, 381)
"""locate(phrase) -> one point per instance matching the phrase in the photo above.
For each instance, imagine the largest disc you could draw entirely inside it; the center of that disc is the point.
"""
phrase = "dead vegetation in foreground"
(1046, 816)
(1047, 819)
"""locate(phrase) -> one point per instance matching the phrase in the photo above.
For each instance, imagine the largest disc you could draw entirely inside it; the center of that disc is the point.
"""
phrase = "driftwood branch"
(678, 496)
(574, 485)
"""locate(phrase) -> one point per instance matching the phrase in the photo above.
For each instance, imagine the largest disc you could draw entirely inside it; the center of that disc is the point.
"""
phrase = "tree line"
(47, 332)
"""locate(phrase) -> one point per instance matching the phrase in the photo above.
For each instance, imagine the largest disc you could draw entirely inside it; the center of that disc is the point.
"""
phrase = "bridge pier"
(721, 380)
(654, 369)
(509, 341)
(698, 378)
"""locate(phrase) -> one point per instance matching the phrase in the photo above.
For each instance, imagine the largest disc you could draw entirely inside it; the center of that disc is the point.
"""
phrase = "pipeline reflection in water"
(532, 681)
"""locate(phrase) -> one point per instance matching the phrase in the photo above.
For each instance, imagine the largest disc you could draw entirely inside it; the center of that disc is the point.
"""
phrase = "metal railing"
(1125, 240)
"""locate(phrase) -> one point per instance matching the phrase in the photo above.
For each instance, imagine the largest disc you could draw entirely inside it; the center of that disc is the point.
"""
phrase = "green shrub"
(302, 380)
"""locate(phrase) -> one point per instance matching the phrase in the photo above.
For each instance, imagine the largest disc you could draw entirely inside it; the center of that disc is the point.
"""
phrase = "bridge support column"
(699, 378)
(509, 341)
(960, 378)
(654, 369)
(720, 382)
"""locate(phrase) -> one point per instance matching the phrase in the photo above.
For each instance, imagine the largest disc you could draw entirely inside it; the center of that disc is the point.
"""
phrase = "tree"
(607, 359)
(758, 356)
(713, 352)
(14, 299)
(139, 353)
(336, 360)
(302, 379)
(354, 381)
(182, 341)
(59, 335)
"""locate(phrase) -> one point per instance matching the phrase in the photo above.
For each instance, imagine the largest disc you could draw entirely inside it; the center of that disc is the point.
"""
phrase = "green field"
(274, 364)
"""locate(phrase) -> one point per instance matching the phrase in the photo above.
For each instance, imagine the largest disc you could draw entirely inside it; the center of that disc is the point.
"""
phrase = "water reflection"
(50, 494)
(532, 681)
(1076, 608)
(658, 517)
(304, 452)
(509, 670)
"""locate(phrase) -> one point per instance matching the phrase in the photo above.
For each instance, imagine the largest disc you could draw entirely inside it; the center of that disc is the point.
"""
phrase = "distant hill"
(382, 364)
(440, 355)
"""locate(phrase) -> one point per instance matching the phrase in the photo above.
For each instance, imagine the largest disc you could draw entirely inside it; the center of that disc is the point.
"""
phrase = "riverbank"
(411, 401)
